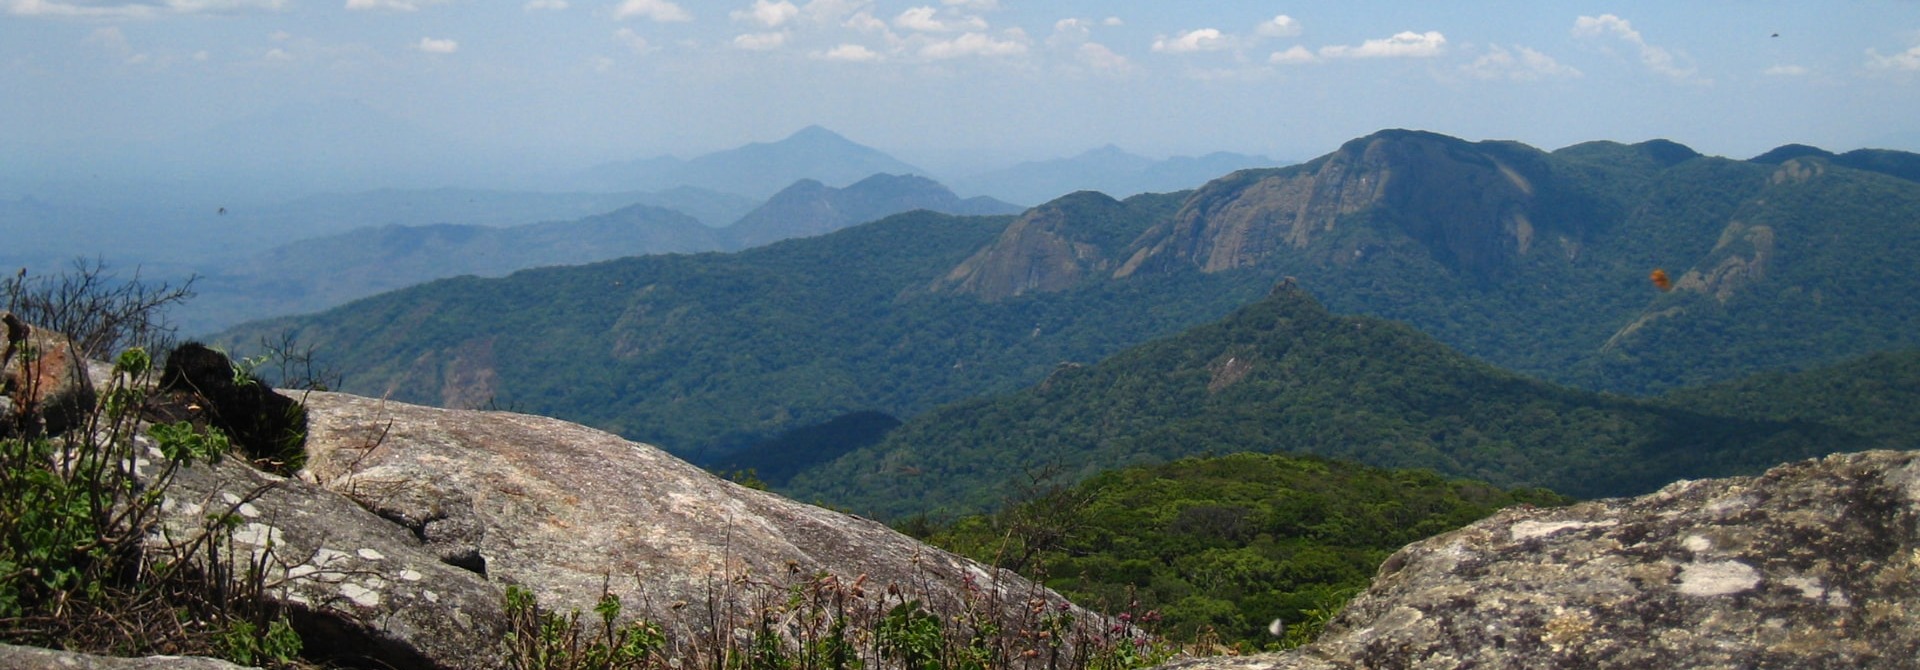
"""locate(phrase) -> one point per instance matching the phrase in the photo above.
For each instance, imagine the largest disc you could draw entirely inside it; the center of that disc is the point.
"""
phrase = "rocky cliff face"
(1468, 204)
(395, 544)
(1046, 249)
(1814, 564)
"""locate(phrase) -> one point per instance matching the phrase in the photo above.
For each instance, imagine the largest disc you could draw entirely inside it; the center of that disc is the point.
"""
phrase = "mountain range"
(1283, 375)
(315, 274)
(756, 170)
(1108, 169)
(1534, 261)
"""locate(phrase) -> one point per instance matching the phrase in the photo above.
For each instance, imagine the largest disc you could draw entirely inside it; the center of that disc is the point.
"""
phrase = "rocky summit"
(395, 545)
(1814, 564)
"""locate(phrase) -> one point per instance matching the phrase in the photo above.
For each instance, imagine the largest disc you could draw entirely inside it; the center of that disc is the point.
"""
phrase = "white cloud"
(832, 11)
(433, 46)
(975, 5)
(137, 10)
(1099, 57)
(1517, 64)
(1294, 56)
(545, 5)
(1608, 25)
(769, 14)
(866, 23)
(658, 10)
(278, 55)
(1906, 61)
(1279, 26)
(1112, 21)
(392, 5)
(760, 41)
(1406, 44)
(927, 20)
(219, 6)
(1071, 29)
(109, 38)
(1189, 41)
(632, 39)
(1785, 71)
(975, 44)
(852, 53)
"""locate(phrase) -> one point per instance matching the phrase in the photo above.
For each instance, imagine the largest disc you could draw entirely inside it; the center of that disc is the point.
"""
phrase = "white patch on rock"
(371, 555)
(360, 595)
(1723, 507)
(1696, 543)
(1718, 578)
(1527, 530)
(230, 497)
(257, 534)
(249, 511)
(1809, 587)
(411, 575)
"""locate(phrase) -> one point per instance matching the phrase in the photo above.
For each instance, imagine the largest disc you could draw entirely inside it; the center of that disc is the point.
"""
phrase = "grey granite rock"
(1814, 564)
(33, 658)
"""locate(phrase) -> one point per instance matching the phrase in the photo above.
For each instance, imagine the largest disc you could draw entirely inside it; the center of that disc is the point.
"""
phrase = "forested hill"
(1285, 375)
(1535, 261)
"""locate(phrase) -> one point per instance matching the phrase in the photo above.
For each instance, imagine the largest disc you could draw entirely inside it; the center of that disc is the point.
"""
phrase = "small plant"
(540, 639)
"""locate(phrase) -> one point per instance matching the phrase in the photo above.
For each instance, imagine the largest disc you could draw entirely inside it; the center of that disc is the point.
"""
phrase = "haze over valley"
(1216, 326)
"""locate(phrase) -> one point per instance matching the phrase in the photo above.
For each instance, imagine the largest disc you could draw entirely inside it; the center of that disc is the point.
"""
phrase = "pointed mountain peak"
(816, 135)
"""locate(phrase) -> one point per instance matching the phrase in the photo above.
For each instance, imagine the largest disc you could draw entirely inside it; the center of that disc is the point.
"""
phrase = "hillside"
(809, 208)
(1284, 375)
(707, 353)
(1225, 544)
(756, 170)
(1534, 261)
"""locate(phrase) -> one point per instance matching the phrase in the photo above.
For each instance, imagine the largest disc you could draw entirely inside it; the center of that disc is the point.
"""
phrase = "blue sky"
(962, 83)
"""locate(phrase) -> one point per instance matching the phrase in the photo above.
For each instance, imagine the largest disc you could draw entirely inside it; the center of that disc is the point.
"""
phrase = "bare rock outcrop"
(568, 511)
(43, 379)
(1814, 564)
(33, 658)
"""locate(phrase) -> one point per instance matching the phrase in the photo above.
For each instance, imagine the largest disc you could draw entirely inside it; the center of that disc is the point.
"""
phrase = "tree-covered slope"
(1226, 544)
(1285, 375)
(706, 353)
(1535, 261)
(1876, 396)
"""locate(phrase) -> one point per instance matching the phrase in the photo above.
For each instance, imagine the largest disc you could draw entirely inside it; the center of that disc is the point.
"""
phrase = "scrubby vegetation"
(1220, 548)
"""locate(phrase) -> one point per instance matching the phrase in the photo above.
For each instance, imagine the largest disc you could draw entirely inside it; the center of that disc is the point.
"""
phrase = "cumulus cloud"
(658, 10)
(1517, 64)
(1189, 41)
(1112, 21)
(1611, 26)
(760, 41)
(1279, 26)
(1907, 61)
(866, 23)
(852, 53)
(137, 10)
(1099, 57)
(632, 39)
(927, 20)
(545, 5)
(975, 44)
(278, 55)
(392, 5)
(1785, 71)
(1294, 56)
(1406, 44)
(433, 46)
(769, 14)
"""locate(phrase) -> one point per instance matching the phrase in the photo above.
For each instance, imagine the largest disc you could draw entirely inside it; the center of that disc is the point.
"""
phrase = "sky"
(963, 84)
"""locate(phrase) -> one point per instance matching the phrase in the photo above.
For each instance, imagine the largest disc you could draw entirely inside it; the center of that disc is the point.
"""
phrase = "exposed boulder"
(360, 590)
(1813, 564)
(568, 511)
(267, 426)
(43, 378)
(33, 658)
